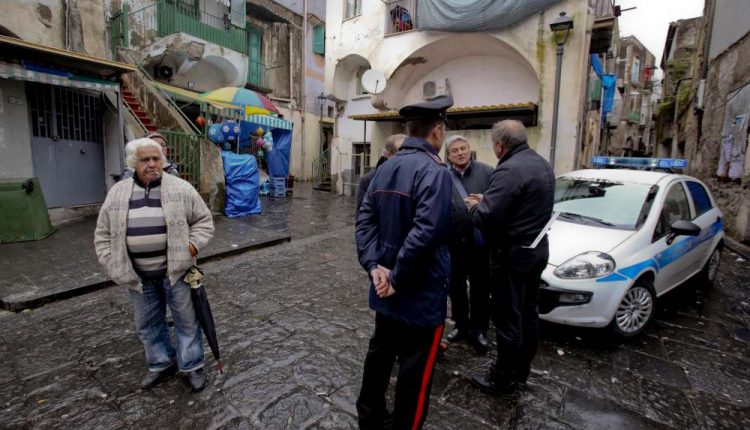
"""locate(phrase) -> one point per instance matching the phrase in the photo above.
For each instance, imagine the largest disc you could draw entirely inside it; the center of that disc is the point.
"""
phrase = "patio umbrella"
(194, 278)
(253, 103)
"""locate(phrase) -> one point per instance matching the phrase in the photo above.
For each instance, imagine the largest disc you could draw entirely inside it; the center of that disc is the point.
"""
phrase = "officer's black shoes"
(480, 342)
(457, 335)
(488, 385)
(197, 379)
(153, 379)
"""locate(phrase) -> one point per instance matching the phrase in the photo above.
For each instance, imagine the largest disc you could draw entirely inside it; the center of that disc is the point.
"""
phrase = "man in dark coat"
(402, 236)
(469, 257)
(511, 214)
(390, 148)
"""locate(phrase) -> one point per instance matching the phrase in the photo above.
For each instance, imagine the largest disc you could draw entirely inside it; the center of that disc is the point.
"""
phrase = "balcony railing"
(142, 27)
(401, 16)
(258, 75)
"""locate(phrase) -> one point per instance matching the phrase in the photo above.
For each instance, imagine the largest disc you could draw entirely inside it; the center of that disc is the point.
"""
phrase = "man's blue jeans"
(151, 325)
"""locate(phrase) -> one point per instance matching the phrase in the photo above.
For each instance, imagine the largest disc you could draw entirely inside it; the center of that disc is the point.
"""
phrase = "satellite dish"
(373, 81)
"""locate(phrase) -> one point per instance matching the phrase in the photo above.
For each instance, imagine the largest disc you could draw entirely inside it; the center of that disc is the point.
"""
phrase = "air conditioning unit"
(434, 89)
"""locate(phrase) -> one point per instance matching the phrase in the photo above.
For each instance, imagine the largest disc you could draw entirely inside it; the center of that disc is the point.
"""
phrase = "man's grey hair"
(131, 150)
(393, 143)
(453, 139)
(509, 132)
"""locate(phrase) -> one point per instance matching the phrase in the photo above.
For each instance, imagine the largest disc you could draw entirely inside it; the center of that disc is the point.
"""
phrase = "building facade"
(493, 74)
(60, 103)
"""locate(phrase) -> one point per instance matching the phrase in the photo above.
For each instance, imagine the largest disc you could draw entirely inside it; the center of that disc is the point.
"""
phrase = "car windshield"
(603, 203)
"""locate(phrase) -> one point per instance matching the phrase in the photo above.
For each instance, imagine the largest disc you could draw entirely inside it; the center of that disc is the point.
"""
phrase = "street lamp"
(561, 27)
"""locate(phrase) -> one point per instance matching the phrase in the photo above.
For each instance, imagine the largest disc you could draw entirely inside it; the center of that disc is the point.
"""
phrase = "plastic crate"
(278, 187)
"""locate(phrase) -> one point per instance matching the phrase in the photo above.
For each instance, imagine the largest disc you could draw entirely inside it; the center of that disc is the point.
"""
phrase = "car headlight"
(587, 265)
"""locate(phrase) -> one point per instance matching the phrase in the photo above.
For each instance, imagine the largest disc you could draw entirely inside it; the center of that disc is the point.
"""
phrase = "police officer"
(402, 236)
(469, 257)
(511, 214)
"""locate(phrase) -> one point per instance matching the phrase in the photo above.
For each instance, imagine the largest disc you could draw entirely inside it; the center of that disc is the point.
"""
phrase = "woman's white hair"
(131, 150)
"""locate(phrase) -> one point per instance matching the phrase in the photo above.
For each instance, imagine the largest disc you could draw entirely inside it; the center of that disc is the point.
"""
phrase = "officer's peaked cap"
(435, 108)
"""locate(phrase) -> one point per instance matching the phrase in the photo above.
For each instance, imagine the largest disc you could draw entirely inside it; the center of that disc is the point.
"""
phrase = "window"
(700, 198)
(675, 208)
(360, 158)
(635, 70)
(353, 8)
(360, 89)
(319, 39)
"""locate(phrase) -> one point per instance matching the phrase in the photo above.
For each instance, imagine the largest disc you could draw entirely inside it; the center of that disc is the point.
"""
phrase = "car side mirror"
(682, 228)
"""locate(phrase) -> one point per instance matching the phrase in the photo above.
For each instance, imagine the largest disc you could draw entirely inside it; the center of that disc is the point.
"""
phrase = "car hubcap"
(713, 265)
(635, 310)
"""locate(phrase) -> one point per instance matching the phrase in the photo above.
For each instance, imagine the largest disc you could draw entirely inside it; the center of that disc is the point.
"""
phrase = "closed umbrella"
(194, 278)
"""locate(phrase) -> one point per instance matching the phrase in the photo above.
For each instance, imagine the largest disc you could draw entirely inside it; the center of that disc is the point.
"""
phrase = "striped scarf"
(146, 235)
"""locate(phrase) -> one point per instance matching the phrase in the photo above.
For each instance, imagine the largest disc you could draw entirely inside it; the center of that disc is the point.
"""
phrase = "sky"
(650, 20)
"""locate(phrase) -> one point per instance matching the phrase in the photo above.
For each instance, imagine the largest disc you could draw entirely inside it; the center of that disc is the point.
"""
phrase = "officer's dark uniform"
(403, 225)
(516, 207)
(469, 259)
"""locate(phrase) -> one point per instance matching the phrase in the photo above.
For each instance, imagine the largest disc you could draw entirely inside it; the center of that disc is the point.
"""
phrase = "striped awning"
(269, 121)
(61, 78)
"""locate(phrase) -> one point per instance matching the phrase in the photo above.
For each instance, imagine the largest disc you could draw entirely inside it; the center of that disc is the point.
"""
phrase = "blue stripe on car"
(666, 257)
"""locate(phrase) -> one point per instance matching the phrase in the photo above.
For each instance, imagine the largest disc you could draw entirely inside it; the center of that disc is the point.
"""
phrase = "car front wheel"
(635, 310)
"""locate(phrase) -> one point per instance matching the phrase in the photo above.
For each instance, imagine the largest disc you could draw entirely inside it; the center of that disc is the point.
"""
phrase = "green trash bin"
(23, 212)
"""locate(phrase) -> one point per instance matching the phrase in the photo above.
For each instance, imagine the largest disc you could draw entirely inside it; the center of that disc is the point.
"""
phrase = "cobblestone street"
(294, 325)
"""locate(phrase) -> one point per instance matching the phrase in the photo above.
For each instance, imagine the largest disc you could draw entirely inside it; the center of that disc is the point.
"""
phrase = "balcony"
(258, 76)
(401, 16)
(142, 27)
(633, 117)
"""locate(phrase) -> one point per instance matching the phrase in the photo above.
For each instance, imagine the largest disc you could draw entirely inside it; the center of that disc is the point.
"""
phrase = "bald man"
(511, 214)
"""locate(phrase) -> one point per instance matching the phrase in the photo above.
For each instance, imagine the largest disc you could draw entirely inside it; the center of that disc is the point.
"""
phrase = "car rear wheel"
(636, 310)
(708, 274)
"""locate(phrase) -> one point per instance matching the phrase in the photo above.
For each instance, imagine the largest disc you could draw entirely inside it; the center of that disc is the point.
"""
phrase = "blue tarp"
(608, 85)
(241, 177)
(278, 158)
(474, 15)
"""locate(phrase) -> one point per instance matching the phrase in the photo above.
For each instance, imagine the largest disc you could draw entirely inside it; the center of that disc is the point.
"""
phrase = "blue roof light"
(653, 163)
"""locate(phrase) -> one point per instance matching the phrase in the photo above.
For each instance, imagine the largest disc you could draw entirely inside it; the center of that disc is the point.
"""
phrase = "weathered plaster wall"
(728, 72)
(44, 21)
(15, 131)
(730, 25)
(530, 40)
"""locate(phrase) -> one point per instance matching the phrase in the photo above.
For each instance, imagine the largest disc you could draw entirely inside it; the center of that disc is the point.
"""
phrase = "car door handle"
(82, 151)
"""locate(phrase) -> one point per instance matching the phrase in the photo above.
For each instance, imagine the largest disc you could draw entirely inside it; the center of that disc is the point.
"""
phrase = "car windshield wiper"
(584, 218)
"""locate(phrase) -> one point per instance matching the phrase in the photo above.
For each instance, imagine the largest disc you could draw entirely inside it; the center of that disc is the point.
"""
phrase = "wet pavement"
(293, 323)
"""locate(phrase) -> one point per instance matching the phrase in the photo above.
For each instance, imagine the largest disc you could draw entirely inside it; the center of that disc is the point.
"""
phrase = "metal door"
(66, 145)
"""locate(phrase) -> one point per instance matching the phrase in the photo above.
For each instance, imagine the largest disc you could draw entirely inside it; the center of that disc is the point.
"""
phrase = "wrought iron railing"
(322, 167)
(185, 150)
(258, 75)
(401, 16)
(164, 17)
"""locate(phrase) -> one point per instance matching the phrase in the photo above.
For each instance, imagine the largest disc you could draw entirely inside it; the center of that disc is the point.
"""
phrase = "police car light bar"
(653, 163)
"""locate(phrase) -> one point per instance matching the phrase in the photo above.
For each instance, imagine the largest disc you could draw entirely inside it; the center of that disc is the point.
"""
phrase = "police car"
(624, 237)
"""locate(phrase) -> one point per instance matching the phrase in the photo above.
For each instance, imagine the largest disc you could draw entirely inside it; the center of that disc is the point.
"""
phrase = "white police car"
(624, 237)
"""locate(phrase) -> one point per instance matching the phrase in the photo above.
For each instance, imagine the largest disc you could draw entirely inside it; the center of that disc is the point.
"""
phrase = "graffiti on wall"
(734, 135)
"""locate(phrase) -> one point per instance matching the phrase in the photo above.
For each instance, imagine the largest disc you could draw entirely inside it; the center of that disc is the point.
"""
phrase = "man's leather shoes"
(456, 335)
(153, 379)
(197, 379)
(480, 342)
(488, 385)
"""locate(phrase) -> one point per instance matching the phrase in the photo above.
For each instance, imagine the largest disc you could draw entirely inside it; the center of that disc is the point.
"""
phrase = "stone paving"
(293, 324)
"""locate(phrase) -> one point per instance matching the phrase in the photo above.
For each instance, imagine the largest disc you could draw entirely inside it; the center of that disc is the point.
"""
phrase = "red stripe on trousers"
(426, 376)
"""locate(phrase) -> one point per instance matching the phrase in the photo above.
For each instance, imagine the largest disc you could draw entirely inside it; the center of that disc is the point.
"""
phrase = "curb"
(35, 302)
(737, 247)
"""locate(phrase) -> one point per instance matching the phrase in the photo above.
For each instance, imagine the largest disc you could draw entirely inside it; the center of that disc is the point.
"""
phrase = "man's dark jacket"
(517, 205)
(475, 180)
(364, 183)
(403, 225)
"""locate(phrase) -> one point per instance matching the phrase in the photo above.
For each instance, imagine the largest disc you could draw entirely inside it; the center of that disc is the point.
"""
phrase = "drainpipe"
(302, 81)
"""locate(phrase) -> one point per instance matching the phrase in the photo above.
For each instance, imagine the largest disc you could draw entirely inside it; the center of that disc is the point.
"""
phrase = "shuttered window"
(319, 39)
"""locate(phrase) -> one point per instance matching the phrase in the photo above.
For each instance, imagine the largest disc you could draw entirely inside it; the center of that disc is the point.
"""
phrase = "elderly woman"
(149, 230)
